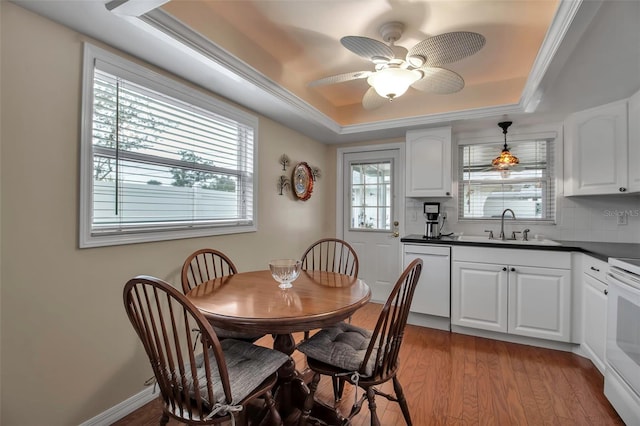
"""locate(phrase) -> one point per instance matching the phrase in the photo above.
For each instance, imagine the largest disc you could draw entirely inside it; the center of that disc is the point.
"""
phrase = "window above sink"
(528, 189)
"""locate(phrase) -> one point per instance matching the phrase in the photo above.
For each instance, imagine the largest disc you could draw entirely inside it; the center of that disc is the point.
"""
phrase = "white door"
(371, 215)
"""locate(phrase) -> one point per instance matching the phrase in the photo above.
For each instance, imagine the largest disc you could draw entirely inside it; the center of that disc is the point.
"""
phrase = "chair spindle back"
(389, 331)
(163, 319)
(204, 265)
(332, 255)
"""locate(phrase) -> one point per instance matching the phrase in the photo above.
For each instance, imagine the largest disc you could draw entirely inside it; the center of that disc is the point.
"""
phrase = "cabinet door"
(634, 143)
(539, 301)
(595, 320)
(597, 151)
(428, 165)
(432, 292)
(479, 296)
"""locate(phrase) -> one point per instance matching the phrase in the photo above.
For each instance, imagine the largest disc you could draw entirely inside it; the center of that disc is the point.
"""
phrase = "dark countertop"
(602, 251)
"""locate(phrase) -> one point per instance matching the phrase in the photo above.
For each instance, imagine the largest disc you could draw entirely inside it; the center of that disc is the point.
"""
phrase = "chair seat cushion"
(248, 366)
(343, 346)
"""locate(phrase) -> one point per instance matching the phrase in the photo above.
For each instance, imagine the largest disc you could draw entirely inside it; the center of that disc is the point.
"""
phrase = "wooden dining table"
(253, 302)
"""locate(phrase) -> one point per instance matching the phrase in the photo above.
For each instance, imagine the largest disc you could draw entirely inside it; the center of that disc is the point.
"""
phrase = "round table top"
(253, 300)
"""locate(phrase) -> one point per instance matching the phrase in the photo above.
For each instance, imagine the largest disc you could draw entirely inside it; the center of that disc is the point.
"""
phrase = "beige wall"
(68, 351)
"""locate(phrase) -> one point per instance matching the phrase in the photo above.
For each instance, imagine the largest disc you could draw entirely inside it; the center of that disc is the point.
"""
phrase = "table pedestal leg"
(291, 392)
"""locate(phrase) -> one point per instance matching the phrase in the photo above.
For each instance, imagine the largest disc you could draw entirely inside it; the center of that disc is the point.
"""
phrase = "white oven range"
(622, 355)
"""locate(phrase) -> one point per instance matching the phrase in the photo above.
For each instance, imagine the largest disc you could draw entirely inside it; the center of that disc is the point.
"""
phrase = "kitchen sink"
(485, 239)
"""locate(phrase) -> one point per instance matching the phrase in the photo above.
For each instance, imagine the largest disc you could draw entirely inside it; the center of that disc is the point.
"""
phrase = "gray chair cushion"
(343, 346)
(248, 366)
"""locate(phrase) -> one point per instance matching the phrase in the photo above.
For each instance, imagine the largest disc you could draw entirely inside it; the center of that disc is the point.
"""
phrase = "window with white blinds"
(527, 189)
(160, 160)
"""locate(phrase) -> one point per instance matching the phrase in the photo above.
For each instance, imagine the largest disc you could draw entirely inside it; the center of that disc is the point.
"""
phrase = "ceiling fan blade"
(446, 48)
(438, 80)
(339, 78)
(373, 50)
(371, 99)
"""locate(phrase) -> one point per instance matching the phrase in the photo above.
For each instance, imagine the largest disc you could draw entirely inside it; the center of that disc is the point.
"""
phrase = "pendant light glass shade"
(393, 82)
(506, 160)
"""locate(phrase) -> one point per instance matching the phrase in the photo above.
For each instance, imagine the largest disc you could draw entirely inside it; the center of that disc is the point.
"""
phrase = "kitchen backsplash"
(593, 218)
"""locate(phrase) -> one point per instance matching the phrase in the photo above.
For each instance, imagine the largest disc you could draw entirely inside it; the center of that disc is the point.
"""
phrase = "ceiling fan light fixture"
(393, 82)
(416, 61)
(506, 160)
(379, 60)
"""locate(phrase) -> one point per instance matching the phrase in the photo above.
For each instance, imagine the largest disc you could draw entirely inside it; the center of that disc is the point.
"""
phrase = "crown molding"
(290, 110)
(564, 19)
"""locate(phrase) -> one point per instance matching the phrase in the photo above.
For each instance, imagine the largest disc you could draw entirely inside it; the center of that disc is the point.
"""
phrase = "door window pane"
(371, 196)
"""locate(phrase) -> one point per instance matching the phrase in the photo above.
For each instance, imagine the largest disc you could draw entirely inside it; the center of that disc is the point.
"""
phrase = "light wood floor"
(453, 379)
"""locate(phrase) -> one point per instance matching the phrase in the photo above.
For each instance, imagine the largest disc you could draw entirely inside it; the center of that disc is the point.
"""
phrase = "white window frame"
(152, 80)
(555, 169)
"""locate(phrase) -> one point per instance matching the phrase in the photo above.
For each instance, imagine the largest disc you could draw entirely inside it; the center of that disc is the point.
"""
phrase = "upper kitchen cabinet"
(428, 164)
(600, 143)
(634, 143)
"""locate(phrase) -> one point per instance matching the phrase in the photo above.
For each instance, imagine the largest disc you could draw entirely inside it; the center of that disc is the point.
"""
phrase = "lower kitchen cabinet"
(512, 291)
(479, 296)
(594, 310)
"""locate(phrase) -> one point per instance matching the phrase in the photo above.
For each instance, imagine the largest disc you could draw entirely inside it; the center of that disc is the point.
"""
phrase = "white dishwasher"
(432, 296)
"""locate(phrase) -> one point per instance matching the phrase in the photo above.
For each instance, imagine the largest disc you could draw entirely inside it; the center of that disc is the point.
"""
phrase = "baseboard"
(123, 409)
(523, 340)
(429, 321)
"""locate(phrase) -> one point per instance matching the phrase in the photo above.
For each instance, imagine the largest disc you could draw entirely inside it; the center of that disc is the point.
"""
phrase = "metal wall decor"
(315, 172)
(284, 160)
(301, 181)
(283, 183)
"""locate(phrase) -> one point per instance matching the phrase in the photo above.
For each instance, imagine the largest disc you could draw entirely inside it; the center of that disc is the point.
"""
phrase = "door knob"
(396, 234)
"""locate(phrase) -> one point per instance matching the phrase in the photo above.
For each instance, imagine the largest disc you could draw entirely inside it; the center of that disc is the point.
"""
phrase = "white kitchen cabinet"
(594, 310)
(520, 292)
(634, 143)
(596, 147)
(428, 162)
(539, 302)
(479, 296)
(431, 296)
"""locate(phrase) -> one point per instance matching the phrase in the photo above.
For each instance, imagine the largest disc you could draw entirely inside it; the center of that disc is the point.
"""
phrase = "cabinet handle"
(447, 193)
(622, 189)
(606, 292)
(504, 269)
(513, 269)
(595, 269)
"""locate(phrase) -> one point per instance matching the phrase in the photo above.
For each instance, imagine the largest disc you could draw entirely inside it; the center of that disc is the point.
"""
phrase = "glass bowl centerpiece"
(285, 271)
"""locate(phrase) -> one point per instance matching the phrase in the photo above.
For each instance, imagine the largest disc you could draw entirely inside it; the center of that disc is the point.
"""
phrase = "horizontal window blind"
(527, 189)
(160, 163)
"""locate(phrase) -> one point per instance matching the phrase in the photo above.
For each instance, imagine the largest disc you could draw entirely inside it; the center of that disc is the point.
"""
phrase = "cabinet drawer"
(595, 267)
(515, 257)
(437, 250)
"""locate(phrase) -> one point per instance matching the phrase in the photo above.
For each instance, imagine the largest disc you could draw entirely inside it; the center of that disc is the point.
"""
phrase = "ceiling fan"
(396, 68)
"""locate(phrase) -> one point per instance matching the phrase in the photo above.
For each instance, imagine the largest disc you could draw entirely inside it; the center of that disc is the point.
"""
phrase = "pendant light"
(505, 160)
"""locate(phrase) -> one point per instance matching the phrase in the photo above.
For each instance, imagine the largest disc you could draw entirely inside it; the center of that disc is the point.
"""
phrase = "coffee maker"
(432, 226)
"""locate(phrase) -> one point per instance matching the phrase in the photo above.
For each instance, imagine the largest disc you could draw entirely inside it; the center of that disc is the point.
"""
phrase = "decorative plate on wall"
(302, 181)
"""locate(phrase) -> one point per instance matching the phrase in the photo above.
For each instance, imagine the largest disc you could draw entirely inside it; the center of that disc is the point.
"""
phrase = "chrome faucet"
(502, 224)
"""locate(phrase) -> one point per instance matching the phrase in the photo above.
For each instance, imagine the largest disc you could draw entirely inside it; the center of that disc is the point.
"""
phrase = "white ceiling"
(542, 58)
